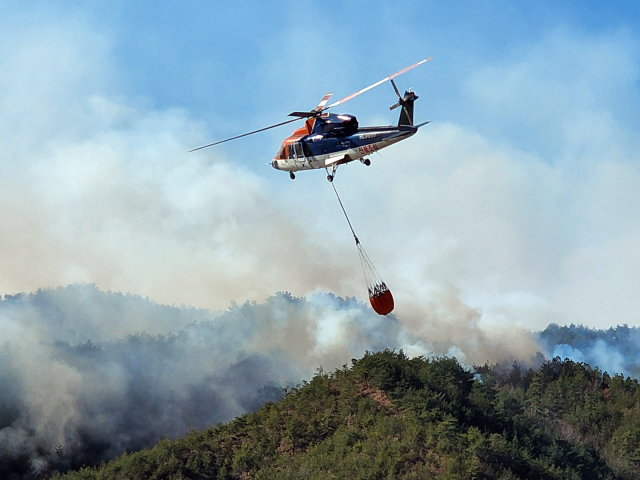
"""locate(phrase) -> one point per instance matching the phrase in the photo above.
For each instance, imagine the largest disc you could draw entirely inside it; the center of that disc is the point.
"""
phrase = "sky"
(518, 206)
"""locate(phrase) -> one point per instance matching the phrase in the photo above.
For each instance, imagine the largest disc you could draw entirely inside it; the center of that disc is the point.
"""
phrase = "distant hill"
(389, 416)
(616, 350)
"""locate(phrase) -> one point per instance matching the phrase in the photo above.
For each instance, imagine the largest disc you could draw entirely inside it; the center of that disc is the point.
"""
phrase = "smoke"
(99, 188)
(76, 388)
(498, 239)
(105, 193)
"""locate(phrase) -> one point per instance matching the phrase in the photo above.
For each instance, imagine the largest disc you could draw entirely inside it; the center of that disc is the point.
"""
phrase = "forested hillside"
(389, 416)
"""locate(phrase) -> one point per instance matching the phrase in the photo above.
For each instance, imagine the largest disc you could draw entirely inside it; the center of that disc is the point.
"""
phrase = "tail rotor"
(406, 102)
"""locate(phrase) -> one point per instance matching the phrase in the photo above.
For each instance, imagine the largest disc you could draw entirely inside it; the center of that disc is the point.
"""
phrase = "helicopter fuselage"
(328, 140)
(333, 140)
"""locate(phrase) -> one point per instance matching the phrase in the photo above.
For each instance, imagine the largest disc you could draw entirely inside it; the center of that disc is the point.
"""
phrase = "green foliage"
(390, 417)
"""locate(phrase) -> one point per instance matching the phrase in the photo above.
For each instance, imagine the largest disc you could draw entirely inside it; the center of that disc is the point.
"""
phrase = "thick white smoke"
(97, 187)
(106, 193)
(75, 387)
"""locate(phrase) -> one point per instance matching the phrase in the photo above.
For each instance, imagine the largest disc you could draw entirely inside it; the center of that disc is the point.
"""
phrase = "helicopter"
(328, 140)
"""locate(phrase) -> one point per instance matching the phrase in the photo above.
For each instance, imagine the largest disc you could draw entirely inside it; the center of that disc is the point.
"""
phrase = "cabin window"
(298, 148)
(305, 149)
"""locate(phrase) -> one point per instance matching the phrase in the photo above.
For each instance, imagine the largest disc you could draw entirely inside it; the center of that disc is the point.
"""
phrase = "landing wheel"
(330, 178)
(367, 162)
(292, 175)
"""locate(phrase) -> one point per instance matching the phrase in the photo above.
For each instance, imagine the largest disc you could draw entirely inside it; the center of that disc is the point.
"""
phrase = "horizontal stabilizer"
(394, 136)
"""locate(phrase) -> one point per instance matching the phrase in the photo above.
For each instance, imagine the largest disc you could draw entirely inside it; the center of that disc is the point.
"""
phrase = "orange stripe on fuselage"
(298, 134)
(310, 123)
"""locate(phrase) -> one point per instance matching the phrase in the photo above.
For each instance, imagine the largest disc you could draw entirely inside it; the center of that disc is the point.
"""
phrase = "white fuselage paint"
(322, 161)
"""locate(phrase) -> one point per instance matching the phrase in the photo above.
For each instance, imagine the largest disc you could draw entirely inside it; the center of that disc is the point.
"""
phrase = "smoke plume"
(78, 386)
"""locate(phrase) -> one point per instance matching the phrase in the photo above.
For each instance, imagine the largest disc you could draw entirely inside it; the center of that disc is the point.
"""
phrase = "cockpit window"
(298, 147)
(281, 153)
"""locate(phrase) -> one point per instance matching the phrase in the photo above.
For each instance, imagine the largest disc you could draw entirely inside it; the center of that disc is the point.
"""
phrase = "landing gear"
(292, 175)
(330, 178)
(366, 161)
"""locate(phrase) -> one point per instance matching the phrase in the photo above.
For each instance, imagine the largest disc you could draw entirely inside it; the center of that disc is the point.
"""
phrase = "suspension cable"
(379, 294)
(371, 276)
(345, 214)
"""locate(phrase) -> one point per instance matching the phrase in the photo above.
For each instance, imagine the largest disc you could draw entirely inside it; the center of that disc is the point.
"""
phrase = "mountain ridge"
(390, 416)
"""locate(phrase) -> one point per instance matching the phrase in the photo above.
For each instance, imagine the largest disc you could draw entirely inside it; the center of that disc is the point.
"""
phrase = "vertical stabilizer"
(406, 102)
(406, 115)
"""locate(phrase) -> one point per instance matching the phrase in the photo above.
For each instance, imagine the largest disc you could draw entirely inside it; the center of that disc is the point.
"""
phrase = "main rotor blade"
(246, 134)
(323, 102)
(312, 113)
(353, 95)
(316, 111)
